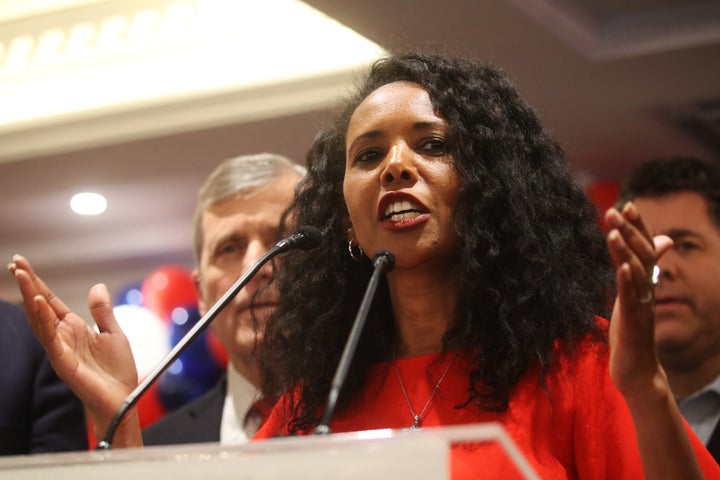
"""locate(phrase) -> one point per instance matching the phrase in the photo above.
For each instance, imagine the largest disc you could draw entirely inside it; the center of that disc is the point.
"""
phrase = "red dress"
(578, 426)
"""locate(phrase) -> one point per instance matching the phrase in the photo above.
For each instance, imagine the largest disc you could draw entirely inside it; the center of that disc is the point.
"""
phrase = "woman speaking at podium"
(494, 309)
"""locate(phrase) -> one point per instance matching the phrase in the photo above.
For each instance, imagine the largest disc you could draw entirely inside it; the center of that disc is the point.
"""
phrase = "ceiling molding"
(161, 118)
(636, 31)
(104, 72)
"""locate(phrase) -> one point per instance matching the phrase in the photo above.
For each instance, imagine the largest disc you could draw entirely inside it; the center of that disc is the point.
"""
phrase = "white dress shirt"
(235, 426)
(702, 410)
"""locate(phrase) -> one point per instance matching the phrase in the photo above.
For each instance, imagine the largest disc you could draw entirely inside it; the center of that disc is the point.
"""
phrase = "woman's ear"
(350, 234)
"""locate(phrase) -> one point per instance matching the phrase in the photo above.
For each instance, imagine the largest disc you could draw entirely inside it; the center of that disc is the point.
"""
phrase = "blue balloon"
(197, 360)
(130, 295)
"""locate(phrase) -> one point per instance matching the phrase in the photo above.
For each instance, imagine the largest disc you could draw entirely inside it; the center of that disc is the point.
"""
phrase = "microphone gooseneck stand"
(305, 238)
(383, 262)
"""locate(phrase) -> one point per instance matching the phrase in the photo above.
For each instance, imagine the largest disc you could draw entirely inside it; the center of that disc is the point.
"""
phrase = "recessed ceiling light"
(88, 203)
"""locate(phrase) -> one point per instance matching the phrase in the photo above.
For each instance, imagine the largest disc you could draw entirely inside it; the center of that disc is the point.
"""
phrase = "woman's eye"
(367, 156)
(436, 146)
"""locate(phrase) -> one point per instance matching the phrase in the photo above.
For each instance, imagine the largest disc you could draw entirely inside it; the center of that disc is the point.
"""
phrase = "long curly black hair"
(533, 266)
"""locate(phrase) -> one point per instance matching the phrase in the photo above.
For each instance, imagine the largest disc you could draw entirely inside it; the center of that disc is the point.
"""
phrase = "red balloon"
(167, 288)
(92, 441)
(603, 195)
(150, 408)
(217, 349)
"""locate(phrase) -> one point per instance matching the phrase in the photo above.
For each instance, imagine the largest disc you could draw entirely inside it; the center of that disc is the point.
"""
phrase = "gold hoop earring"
(355, 250)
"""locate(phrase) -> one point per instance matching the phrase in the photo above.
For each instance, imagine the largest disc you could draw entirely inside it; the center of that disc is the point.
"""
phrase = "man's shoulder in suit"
(196, 422)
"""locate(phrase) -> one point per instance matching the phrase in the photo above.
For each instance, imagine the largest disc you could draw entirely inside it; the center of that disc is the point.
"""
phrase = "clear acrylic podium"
(373, 454)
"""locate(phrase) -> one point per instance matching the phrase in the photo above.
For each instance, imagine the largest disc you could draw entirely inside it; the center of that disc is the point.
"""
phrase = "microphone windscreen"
(308, 237)
(385, 259)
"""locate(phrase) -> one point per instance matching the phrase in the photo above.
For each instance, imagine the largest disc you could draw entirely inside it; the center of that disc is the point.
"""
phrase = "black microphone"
(304, 238)
(383, 262)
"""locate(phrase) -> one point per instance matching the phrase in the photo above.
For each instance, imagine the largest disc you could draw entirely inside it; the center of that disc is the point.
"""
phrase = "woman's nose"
(400, 167)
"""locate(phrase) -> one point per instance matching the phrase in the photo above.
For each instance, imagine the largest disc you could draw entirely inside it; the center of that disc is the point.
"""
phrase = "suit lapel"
(713, 444)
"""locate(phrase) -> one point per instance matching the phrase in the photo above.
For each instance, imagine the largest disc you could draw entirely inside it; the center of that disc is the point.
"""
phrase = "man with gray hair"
(236, 221)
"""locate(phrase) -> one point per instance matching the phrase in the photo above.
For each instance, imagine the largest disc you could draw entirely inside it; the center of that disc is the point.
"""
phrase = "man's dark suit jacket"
(713, 444)
(38, 413)
(196, 422)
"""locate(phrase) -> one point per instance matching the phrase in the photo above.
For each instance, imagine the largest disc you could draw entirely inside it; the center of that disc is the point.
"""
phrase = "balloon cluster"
(155, 315)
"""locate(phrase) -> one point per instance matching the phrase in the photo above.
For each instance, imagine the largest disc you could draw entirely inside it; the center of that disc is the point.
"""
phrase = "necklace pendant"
(418, 418)
(415, 426)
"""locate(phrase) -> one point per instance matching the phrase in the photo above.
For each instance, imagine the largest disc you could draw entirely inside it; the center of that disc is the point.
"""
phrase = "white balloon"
(148, 335)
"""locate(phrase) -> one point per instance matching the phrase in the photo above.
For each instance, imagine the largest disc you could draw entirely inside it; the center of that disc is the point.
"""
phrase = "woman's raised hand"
(97, 365)
(664, 445)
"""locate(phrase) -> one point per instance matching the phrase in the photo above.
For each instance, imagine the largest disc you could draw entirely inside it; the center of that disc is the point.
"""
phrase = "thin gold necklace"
(418, 418)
